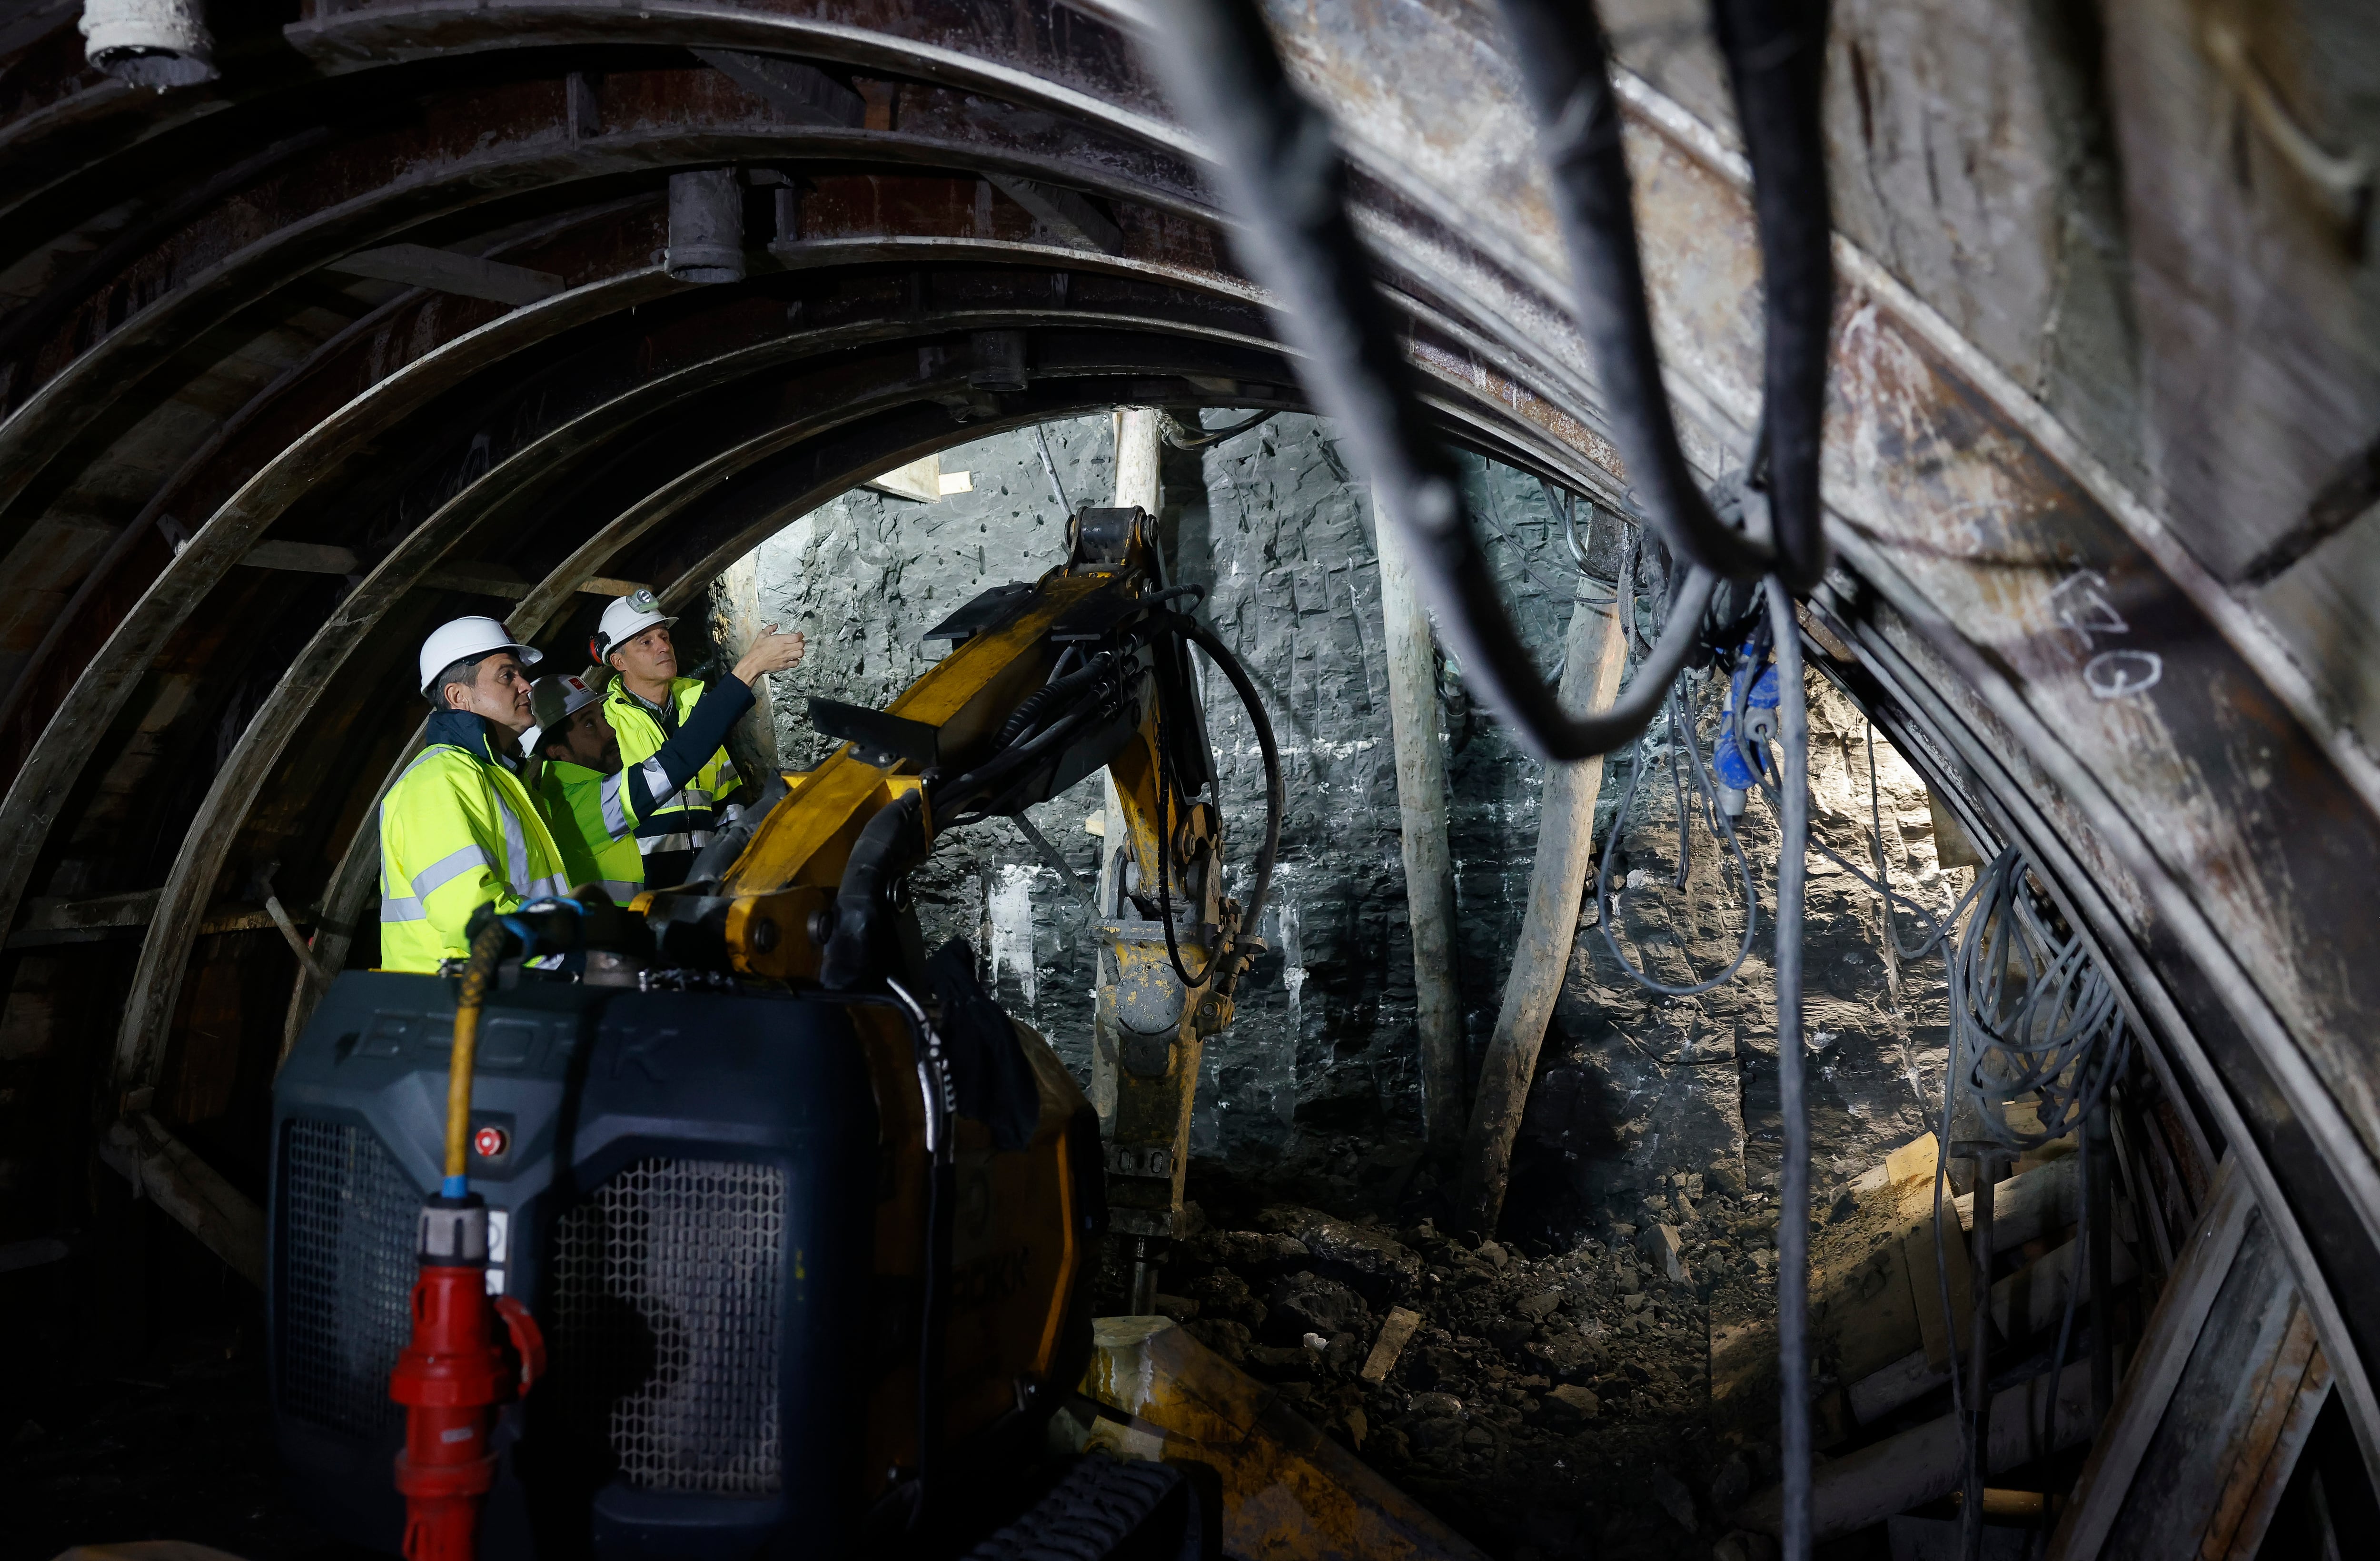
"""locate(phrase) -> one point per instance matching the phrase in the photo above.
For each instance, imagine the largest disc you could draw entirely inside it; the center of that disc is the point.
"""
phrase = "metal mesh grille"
(346, 1239)
(667, 1282)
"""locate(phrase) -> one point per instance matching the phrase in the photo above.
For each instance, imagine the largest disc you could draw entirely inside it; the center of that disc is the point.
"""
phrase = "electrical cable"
(1773, 54)
(1177, 432)
(1049, 464)
(2059, 1034)
(1794, 1217)
(1281, 173)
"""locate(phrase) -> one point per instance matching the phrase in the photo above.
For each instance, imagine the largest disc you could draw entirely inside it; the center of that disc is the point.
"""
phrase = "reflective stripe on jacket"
(599, 817)
(457, 831)
(685, 817)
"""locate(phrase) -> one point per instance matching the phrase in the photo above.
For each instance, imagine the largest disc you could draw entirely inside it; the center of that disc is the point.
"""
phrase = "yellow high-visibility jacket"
(683, 819)
(457, 831)
(574, 801)
(600, 818)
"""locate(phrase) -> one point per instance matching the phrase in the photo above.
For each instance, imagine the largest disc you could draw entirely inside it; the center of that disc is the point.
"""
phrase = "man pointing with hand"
(649, 704)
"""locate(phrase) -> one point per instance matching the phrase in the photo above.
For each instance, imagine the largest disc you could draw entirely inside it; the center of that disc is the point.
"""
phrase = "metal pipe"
(705, 226)
(158, 43)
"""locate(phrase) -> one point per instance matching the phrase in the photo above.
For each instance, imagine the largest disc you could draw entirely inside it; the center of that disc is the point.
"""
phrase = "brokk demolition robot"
(789, 1225)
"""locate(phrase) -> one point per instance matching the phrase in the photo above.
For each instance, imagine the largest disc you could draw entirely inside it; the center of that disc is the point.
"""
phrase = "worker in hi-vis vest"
(646, 705)
(459, 831)
(595, 801)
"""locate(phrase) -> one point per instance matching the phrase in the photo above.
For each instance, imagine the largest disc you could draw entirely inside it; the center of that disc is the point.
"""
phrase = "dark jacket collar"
(461, 729)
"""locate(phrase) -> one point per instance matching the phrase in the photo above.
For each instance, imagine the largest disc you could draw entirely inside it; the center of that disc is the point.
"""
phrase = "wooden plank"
(921, 480)
(1063, 211)
(2033, 1299)
(1394, 1334)
(802, 93)
(1422, 817)
(303, 558)
(1903, 1382)
(444, 271)
(1870, 1310)
(2259, 1443)
(2164, 1352)
(1925, 1269)
(92, 915)
(479, 579)
(1926, 1462)
(50, 920)
(164, 1169)
(1594, 654)
(2305, 1407)
(2177, 1486)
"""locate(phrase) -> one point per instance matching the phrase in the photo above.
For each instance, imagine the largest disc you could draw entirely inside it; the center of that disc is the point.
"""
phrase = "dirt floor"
(1551, 1404)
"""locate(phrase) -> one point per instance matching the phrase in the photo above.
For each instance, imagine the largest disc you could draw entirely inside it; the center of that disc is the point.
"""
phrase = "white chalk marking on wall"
(1011, 927)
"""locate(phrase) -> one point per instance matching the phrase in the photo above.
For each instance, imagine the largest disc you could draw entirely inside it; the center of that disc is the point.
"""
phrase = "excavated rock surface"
(1549, 1404)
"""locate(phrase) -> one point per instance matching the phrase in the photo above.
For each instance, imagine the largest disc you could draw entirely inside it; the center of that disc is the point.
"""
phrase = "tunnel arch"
(185, 379)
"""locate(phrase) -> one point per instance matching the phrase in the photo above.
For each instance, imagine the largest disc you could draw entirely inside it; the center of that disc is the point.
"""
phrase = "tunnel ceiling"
(239, 476)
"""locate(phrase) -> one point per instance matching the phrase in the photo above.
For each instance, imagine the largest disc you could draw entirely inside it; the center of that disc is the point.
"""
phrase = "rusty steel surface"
(2184, 745)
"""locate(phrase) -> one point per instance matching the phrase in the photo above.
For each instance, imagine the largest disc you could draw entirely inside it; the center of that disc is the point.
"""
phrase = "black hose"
(1166, 788)
(1275, 794)
(1179, 435)
(1029, 710)
(1776, 64)
(863, 942)
(1566, 73)
(1772, 53)
(1284, 177)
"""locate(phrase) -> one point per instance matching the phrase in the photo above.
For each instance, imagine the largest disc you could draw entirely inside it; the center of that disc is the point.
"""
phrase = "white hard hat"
(450, 643)
(554, 699)
(628, 617)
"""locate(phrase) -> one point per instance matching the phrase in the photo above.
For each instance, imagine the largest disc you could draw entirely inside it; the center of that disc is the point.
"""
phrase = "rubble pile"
(1548, 1404)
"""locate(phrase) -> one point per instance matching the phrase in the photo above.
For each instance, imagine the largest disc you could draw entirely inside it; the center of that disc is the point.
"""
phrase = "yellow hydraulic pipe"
(478, 973)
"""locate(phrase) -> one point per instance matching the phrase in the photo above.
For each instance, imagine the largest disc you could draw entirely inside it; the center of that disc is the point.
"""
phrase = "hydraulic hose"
(479, 975)
(1034, 705)
(1275, 794)
(1776, 63)
(1772, 48)
(1283, 176)
(1566, 73)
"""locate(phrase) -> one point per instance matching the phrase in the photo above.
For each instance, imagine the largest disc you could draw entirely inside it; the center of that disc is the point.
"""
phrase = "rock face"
(1633, 1087)
(1273, 526)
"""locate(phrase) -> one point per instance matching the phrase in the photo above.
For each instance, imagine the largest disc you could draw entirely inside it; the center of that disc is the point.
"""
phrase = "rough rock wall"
(1637, 1087)
(1633, 1087)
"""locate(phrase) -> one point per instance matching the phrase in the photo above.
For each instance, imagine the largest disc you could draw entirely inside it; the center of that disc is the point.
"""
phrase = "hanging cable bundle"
(2031, 1012)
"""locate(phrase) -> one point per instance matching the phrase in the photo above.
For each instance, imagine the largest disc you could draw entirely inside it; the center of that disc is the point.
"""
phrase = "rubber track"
(1097, 1506)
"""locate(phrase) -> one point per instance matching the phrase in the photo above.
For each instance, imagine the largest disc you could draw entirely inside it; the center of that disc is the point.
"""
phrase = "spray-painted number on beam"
(2082, 606)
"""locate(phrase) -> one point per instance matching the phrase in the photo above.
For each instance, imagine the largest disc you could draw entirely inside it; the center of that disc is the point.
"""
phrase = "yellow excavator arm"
(1045, 685)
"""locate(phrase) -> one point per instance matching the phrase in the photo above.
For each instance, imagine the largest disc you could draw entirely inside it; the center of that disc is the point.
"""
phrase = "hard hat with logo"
(465, 638)
(625, 619)
(552, 700)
